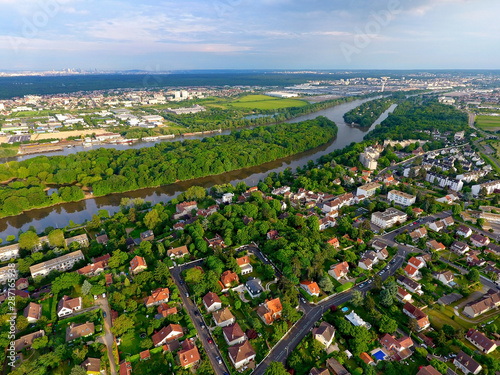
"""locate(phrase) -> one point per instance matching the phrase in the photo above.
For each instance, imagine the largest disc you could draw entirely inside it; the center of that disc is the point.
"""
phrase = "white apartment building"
(9, 252)
(62, 263)
(401, 198)
(489, 186)
(388, 218)
(369, 158)
(6, 273)
(368, 190)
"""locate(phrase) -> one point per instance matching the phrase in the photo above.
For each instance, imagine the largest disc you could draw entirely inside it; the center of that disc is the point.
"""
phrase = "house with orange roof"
(145, 355)
(434, 245)
(177, 252)
(334, 242)
(412, 272)
(270, 311)
(228, 278)
(189, 355)
(366, 358)
(339, 271)
(138, 264)
(165, 310)
(157, 297)
(166, 334)
(109, 279)
(311, 287)
(244, 264)
(419, 315)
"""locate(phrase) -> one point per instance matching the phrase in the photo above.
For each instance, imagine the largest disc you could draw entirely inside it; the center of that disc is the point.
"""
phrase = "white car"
(95, 297)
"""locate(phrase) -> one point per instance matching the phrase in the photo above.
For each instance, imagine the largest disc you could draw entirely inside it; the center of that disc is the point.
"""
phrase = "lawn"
(439, 318)
(46, 307)
(264, 102)
(130, 344)
(488, 122)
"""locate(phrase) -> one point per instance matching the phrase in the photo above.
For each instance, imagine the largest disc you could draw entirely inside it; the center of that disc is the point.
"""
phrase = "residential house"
(324, 334)
(464, 231)
(492, 271)
(138, 264)
(412, 272)
(473, 260)
(310, 287)
(356, 320)
(22, 283)
(479, 340)
(379, 245)
(233, 334)
(403, 295)
(467, 364)
(254, 287)
(93, 269)
(242, 354)
(410, 285)
(67, 306)
(92, 366)
(33, 312)
(335, 367)
(479, 241)
(147, 236)
(398, 345)
(321, 371)
(272, 235)
(339, 271)
(244, 264)
(419, 233)
(27, 340)
(157, 297)
(178, 252)
(419, 315)
(434, 245)
(166, 334)
(446, 277)
(459, 247)
(486, 303)
(145, 355)
(326, 222)
(223, 318)
(125, 368)
(270, 310)
(165, 310)
(428, 370)
(76, 331)
(368, 260)
(212, 302)
(366, 358)
(188, 355)
(103, 239)
(217, 241)
(227, 198)
(228, 278)
(184, 209)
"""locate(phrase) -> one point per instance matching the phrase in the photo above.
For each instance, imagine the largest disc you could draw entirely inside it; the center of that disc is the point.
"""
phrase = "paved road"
(108, 339)
(203, 333)
(313, 313)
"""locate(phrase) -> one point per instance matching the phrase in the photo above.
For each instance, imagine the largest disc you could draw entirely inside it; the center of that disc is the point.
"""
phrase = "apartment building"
(401, 198)
(388, 218)
(61, 264)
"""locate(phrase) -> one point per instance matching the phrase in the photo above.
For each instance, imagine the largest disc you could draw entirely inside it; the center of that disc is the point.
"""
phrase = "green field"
(488, 122)
(265, 102)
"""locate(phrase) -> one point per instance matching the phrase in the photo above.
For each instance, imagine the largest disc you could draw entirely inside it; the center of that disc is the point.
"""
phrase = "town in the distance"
(322, 223)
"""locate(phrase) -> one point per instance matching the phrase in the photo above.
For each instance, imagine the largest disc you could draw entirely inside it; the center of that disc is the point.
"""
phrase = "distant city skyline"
(244, 34)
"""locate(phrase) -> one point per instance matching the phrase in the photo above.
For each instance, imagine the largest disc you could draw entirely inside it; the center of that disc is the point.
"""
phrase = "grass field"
(488, 122)
(265, 102)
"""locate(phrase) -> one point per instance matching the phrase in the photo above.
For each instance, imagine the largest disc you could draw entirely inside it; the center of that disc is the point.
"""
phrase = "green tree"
(326, 284)
(276, 368)
(473, 276)
(122, 324)
(357, 298)
(388, 325)
(28, 241)
(385, 298)
(40, 343)
(152, 219)
(440, 366)
(86, 286)
(56, 238)
(78, 370)
(146, 343)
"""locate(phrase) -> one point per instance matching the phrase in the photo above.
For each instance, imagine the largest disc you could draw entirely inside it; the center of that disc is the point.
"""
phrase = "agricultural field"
(491, 123)
(264, 102)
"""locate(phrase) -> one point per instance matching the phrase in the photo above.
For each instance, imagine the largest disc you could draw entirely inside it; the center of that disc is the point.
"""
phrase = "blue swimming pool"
(345, 309)
(379, 355)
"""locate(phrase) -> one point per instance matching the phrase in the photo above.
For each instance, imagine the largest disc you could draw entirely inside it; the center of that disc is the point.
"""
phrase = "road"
(108, 339)
(203, 333)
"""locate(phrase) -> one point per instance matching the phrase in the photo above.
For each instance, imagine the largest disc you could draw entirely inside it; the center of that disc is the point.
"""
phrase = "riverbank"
(166, 164)
(79, 212)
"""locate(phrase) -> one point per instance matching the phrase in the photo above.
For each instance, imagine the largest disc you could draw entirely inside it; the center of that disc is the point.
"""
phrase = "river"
(60, 215)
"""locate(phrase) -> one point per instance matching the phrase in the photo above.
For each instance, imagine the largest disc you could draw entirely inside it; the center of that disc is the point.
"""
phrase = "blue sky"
(249, 34)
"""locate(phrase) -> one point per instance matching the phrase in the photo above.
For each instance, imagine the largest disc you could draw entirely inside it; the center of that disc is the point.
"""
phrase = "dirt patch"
(64, 135)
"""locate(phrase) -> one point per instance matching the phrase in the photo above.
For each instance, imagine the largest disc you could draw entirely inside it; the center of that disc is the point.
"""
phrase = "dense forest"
(367, 113)
(414, 119)
(106, 171)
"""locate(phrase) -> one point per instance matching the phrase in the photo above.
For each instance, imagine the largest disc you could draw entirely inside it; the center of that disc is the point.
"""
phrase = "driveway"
(108, 339)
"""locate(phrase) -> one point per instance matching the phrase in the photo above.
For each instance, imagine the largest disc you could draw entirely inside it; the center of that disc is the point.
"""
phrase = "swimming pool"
(345, 309)
(379, 355)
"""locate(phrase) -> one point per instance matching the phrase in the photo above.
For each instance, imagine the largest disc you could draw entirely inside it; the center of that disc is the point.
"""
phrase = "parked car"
(209, 340)
(104, 314)
(219, 359)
